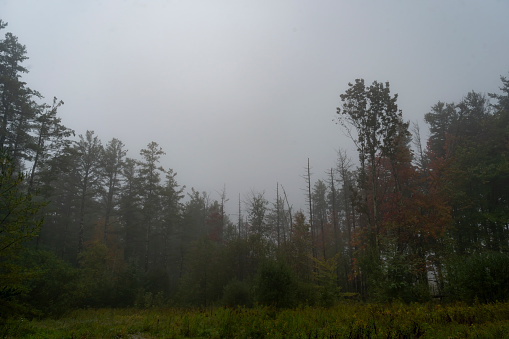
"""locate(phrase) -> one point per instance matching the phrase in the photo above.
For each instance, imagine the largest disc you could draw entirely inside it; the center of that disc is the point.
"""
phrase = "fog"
(240, 94)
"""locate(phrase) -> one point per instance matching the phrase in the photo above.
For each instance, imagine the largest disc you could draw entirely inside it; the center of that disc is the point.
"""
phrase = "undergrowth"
(344, 320)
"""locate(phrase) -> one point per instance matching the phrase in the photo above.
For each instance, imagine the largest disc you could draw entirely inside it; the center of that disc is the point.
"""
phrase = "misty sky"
(241, 93)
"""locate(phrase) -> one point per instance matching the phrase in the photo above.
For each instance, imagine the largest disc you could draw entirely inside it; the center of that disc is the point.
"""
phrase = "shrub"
(52, 287)
(325, 276)
(483, 277)
(307, 294)
(237, 293)
(275, 285)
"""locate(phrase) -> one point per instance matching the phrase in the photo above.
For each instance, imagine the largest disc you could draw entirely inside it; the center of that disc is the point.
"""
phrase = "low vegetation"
(343, 320)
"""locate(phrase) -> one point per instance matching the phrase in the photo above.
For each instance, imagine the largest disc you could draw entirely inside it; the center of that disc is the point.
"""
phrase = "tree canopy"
(120, 231)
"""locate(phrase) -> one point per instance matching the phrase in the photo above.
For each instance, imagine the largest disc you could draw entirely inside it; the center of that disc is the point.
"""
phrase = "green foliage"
(397, 279)
(149, 300)
(257, 211)
(128, 283)
(275, 284)
(237, 293)
(299, 251)
(52, 289)
(19, 222)
(482, 277)
(341, 321)
(106, 281)
(326, 278)
(18, 111)
(96, 284)
(204, 278)
(307, 294)
(383, 235)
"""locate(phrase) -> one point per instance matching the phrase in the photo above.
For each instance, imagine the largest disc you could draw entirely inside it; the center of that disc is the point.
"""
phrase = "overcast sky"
(241, 93)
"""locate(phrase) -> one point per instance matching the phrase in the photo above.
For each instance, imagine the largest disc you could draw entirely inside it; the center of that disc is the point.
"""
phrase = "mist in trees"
(83, 225)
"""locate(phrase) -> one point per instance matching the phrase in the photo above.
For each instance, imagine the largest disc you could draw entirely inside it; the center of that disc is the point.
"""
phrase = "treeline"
(83, 225)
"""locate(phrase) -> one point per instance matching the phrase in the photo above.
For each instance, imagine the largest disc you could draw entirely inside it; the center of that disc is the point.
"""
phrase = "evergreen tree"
(150, 177)
(172, 195)
(130, 213)
(50, 138)
(87, 176)
(19, 222)
(18, 110)
(112, 160)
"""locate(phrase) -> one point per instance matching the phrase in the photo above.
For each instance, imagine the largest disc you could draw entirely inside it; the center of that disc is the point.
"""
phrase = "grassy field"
(342, 321)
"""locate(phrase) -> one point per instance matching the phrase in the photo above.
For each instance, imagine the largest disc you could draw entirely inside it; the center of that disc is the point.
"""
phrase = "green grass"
(342, 321)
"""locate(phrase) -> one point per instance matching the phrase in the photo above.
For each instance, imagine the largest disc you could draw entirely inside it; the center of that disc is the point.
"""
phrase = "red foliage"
(413, 209)
(214, 223)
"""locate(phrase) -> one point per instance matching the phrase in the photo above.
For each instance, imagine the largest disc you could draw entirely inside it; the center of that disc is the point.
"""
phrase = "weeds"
(353, 320)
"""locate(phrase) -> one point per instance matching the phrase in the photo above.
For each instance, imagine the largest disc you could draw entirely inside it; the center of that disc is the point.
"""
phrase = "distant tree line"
(82, 224)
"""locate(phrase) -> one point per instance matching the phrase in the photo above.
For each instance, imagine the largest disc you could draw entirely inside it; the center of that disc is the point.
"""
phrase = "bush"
(325, 276)
(275, 285)
(397, 277)
(127, 285)
(148, 299)
(237, 293)
(480, 277)
(307, 294)
(52, 287)
(96, 282)
(19, 222)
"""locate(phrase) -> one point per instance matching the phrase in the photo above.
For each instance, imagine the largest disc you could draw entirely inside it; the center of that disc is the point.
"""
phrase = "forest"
(84, 226)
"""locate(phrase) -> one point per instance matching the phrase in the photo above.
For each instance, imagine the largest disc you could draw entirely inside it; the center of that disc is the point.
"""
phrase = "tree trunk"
(313, 235)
